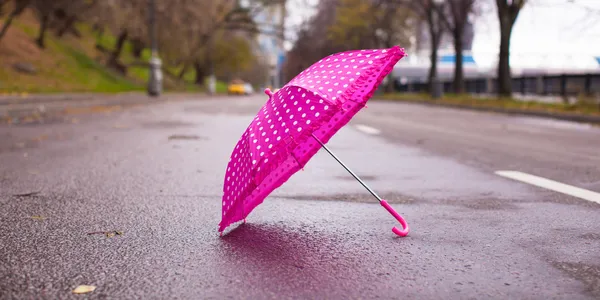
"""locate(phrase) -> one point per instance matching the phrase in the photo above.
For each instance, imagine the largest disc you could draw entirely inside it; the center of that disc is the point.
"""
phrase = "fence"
(564, 85)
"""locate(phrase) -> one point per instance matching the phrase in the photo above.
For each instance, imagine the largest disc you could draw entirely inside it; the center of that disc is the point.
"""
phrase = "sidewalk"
(38, 106)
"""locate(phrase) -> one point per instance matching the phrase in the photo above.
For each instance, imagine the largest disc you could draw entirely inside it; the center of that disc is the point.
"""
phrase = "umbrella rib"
(347, 169)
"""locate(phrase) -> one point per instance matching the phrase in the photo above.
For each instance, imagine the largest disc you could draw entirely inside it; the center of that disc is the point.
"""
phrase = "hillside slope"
(68, 64)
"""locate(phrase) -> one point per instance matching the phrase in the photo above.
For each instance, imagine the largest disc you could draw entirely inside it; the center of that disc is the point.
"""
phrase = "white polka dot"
(299, 129)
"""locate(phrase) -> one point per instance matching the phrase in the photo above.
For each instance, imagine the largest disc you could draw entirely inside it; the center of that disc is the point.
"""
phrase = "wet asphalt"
(154, 173)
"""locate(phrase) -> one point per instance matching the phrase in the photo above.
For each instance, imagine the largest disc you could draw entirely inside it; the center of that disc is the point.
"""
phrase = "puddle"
(362, 198)
(590, 236)
(363, 177)
(185, 137)
(167, 124)
(589, 275)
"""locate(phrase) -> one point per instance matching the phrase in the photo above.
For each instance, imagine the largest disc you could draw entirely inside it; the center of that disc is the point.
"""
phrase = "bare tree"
(454, 14)
(124, 18)
(508, 11)
(19, 7)
(71, 14)
(427, 11)
(44, 10)
(2, 4)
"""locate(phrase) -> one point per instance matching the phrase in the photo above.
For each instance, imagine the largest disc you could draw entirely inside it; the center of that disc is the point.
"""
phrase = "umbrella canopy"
(294, 122)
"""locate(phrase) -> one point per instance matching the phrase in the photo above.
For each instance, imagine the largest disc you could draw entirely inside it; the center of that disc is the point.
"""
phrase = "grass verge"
(583, 106)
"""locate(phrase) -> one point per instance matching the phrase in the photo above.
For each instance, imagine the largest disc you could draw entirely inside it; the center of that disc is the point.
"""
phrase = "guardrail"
(564, 85)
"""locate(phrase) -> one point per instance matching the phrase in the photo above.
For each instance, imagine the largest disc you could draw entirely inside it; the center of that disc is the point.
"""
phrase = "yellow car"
(236, 89)
(239, 87)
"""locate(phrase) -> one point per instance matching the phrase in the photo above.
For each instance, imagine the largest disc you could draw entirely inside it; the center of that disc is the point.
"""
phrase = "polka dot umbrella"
(297, 121)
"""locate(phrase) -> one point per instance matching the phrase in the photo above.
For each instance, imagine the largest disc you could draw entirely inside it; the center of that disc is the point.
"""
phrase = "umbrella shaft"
(347, 169)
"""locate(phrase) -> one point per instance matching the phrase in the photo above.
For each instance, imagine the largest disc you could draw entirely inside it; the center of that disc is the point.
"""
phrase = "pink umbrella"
(297, 121)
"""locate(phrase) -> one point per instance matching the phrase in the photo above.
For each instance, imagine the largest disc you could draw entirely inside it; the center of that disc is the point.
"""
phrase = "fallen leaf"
(84, 289)
(184, 137)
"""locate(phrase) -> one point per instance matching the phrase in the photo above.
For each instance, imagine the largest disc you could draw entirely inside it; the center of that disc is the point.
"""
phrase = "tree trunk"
(68, 25)
(137, 48)
(2, 3)
(504, 76)
(7, 23)
(41, 39)
(432, 68)
(390, 86)
(459, 80)
(182, 72)
(200, 73)
(114, 56)
(435, 36)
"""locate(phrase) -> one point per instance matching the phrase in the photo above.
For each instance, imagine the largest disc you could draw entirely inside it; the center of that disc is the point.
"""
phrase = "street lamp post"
(155, 78)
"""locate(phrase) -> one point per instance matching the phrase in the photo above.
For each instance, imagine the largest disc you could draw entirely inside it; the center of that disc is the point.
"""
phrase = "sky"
(552, 33)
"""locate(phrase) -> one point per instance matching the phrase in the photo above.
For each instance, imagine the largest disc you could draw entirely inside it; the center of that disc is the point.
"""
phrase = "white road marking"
(368, 130)
(552, 185)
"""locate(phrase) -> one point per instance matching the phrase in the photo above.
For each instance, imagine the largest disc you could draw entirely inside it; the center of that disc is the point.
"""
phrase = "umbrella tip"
(268, 92)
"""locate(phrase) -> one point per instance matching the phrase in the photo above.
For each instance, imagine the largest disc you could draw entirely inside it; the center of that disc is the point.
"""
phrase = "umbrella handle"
(405, 229)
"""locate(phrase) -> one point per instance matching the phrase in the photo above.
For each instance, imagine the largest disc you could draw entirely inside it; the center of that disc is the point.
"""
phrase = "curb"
(50, 98)
(580, 118)
(43, 105)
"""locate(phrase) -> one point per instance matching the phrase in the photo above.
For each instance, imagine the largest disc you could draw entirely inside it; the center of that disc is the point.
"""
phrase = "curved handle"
(405, 229)
(268, 92)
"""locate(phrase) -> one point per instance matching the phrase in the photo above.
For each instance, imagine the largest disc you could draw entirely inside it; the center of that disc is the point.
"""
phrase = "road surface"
(486, 221)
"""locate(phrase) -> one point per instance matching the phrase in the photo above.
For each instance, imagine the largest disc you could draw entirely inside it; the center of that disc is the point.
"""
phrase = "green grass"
(221, 87)
(70, 64)
(584, 105)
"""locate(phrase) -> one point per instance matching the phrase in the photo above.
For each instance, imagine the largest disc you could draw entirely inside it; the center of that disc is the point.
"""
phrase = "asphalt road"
(155, 173)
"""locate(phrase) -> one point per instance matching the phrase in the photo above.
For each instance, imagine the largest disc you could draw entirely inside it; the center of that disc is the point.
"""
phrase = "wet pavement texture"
(155, 173)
